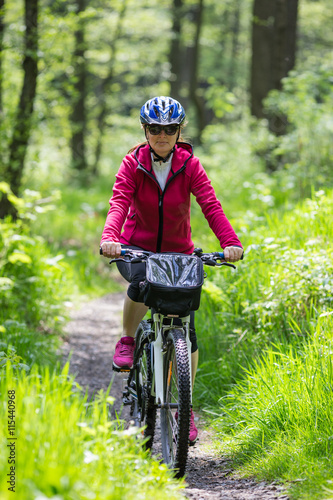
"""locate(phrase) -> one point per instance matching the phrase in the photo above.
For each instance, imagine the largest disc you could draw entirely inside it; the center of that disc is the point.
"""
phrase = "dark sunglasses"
(168, 129)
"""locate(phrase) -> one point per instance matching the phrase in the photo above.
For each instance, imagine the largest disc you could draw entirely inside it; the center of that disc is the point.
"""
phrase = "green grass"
(281, 415)
(265, 339)
(273, 296)
(68, 449)
(265, 363)
(74, 228)
(34, 282)
(34, 347)
(250, 320)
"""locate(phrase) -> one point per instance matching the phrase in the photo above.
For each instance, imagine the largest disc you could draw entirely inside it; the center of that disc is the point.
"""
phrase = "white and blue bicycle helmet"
(163, 111)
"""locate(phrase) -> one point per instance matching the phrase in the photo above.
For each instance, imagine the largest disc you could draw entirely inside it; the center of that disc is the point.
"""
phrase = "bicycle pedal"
(120, 370)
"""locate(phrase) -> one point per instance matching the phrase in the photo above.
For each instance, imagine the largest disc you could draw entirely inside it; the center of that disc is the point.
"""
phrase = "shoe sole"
(192, 443)
(117, 368)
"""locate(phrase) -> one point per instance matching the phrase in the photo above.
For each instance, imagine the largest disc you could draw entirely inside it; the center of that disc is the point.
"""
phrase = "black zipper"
(160, 209)
(160, 222)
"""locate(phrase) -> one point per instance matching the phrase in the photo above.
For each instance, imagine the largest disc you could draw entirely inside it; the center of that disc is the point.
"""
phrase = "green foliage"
(68, 448)
(280, 416)
(74, 228)
(32, 281)
(306, 151)
(315, 36)
(274, 296)
(98, 457)
(25, 346)
(35, 286)
(264, 322)
(265, 338)
(223, 69)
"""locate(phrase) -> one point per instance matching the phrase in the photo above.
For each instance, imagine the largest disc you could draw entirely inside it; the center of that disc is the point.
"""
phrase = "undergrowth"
(275, 294)
(277, 423)
(265, 333)
(68, 448)
(62, 445)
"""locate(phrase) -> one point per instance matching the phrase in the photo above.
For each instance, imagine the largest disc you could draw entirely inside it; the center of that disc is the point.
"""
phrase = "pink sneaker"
(193, 435)
(123, 356)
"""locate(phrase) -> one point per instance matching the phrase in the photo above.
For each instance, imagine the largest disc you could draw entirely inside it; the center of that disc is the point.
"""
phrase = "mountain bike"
(160, 379)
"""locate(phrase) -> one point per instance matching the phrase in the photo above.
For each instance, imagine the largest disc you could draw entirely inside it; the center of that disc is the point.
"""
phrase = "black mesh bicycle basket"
(173, 283)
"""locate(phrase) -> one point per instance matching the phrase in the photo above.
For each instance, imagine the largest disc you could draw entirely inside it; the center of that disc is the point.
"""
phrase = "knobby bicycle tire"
(144, 406)
(175, 423)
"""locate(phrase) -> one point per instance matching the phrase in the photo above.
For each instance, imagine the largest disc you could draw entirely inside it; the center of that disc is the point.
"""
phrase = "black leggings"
(135, 273)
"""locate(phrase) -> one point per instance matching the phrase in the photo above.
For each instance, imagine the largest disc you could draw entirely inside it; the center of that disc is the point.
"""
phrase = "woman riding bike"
(150, 210)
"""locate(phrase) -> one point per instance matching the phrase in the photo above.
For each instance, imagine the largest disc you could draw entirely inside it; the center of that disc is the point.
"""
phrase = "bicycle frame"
(161, 375)
(157, 360)
(161, 330)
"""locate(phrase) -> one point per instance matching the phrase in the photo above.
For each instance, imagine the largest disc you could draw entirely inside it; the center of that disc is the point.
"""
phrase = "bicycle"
(160, 378)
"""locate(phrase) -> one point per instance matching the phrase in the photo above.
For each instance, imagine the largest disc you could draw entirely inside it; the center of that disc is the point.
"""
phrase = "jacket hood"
(183, 152)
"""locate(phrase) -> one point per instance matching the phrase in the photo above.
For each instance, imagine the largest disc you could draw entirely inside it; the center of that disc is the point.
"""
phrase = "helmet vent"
(163, 110)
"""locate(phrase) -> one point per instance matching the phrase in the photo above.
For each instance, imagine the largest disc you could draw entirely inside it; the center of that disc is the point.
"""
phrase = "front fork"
(158, 355)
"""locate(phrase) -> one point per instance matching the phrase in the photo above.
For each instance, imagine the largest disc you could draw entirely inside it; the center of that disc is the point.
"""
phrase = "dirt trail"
(92, 334)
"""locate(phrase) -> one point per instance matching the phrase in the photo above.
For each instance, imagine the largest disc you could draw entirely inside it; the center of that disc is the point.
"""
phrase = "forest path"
(92, 334)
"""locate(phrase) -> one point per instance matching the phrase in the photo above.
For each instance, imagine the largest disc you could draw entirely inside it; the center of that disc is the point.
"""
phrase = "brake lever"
(210, 262)
(129, 260)
(118, 260)
(225, 264)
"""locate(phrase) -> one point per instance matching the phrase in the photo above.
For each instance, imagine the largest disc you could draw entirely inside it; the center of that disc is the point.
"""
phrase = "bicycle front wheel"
(175, 416)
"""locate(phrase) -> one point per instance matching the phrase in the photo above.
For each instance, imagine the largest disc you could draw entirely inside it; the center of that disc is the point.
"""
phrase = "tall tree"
(235, 28)
(79, 113)
(22, 124)
(273, 52)
(175, 54)
(194, 95)
(2, 29)
(105, 86)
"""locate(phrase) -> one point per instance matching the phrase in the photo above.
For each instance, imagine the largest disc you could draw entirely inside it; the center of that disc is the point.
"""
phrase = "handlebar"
(209, 259)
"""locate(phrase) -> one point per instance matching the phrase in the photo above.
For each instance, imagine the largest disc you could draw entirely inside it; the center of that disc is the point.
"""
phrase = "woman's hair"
(180, 138)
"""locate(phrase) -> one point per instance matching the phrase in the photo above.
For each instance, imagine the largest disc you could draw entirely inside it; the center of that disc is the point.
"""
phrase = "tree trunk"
(262, 46)
(2, 29)
(196, 99)
(106, 83)
(234, 44)
(284, 49)
(175, 55)
(273, 52)
(78, 116)
(22, 125)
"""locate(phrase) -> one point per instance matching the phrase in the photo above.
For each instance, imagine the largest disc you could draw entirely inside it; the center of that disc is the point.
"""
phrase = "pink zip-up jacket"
(156, 220)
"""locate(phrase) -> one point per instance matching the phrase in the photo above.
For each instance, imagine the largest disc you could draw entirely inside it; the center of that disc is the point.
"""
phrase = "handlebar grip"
(123, 252)
(221, 254)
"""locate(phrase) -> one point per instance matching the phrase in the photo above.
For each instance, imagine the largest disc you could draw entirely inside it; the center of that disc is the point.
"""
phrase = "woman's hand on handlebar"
(232, 254)
(111, 249)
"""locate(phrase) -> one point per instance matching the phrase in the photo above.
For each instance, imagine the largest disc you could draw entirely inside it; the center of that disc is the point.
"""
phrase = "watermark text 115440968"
(11, 414)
